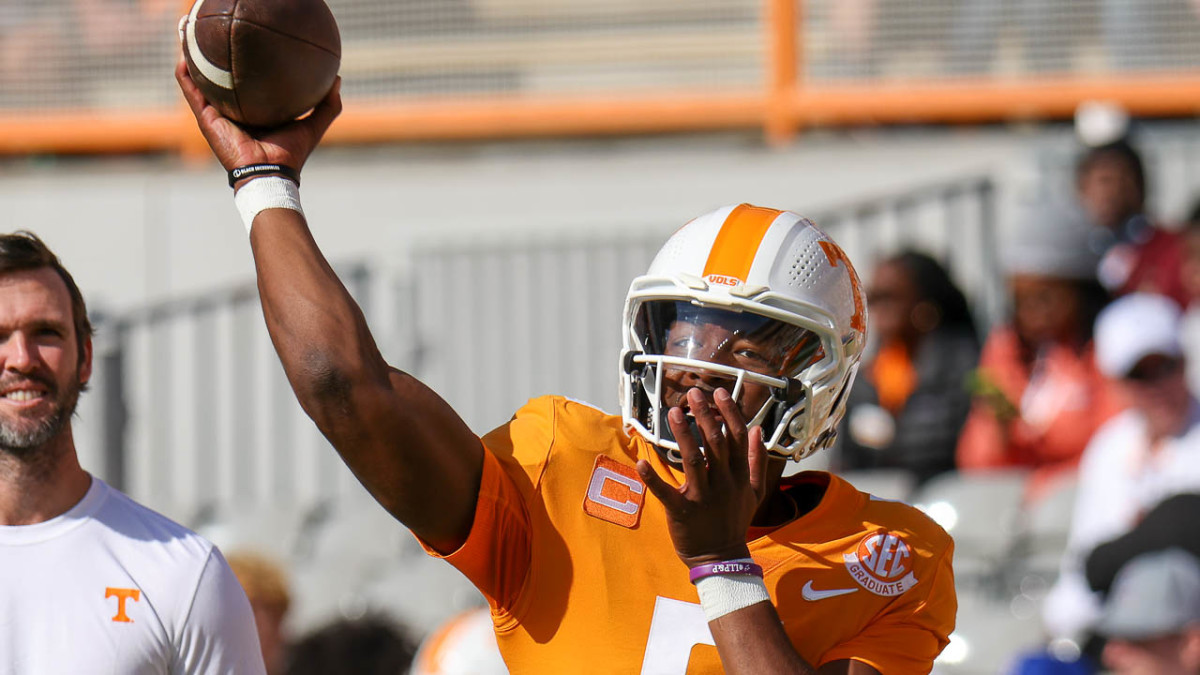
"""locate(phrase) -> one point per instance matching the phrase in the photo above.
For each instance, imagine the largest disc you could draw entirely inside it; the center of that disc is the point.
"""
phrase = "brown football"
(262, 62)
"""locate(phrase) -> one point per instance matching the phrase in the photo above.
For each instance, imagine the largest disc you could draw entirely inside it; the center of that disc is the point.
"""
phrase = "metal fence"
(95, 75)
(199, 419)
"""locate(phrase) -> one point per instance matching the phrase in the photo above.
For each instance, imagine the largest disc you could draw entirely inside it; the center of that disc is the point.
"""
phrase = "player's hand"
(710, 513)
(235, 146)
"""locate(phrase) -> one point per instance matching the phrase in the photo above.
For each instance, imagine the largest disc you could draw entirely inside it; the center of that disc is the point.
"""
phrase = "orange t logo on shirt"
(615, 493)
(122, 594)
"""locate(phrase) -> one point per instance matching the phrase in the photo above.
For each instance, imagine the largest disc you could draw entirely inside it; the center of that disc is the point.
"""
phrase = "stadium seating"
(896, 484)
(982, 511)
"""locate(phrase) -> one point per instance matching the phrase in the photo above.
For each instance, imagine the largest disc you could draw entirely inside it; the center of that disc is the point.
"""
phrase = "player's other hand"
(710, 513)
(235, 146)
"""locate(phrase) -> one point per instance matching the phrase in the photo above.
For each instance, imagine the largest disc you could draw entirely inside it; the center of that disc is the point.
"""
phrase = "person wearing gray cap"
(1151, 617)
(1142, 456)
(1038, 395)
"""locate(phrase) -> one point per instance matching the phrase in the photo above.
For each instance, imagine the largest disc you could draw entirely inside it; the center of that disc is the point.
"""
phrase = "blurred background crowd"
(1017, 181)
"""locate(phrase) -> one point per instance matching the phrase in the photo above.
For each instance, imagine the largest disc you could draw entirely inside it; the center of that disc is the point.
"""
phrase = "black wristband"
(252, 170)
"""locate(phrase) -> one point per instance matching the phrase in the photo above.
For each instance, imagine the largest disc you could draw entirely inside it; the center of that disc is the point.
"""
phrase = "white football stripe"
(210, 71)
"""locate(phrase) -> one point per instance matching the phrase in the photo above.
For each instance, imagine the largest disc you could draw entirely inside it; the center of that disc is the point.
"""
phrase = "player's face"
(41, 372)
(720, 345)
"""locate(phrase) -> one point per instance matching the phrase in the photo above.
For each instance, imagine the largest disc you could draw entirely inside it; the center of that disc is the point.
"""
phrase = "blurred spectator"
(1174, 523)
(1048, 34)
(1190, 281)
(372, 645)
(1137, 255)
(1152, 616)
(908, 404)
(1135, 34)
(266, 586)
(464, 645)
(1142, 456)
(854, 51)
(1037, 394)
(30, 35)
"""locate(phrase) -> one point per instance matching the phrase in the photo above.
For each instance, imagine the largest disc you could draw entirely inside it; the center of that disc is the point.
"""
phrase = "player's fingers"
(756, 460)
(191, 94)
(735, 433)
(694, 463)
(710, 426)
(664, 491)
(326, 111)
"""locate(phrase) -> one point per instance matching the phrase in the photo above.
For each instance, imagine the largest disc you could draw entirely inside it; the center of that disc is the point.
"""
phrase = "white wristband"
(722, 594)
(267, 192)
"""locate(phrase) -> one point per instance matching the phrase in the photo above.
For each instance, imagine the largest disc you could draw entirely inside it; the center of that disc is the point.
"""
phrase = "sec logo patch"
(882, 564)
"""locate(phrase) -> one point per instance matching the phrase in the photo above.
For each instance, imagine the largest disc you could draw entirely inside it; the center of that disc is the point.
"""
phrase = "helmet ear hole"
(629, 365)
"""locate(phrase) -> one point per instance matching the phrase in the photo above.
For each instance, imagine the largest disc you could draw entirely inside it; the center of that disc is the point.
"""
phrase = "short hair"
(1120, 151)
(934, 285)
(263, 580)
(370, 645)
(24, 250)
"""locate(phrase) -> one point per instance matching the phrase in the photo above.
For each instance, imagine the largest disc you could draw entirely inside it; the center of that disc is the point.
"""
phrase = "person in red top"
(1138, 255)
(739, 344)
(1038, 394)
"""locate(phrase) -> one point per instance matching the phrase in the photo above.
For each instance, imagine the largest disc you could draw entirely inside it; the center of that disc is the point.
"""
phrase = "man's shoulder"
(566, 409)
(144, 529)
(899, 516)
(558, 426)
(562, 419)
(880, 514)
(849, 514)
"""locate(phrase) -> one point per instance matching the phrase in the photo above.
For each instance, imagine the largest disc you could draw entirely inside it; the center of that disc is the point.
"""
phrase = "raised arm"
(403, 442)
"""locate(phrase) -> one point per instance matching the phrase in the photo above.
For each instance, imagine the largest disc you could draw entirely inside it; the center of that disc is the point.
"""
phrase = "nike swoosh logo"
(812, 595)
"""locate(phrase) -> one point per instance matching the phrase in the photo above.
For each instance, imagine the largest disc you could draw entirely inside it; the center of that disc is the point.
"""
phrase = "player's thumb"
(327, 110)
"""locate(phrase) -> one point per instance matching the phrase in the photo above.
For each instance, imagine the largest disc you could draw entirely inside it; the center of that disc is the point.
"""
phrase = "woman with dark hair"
(910, 399)
(1038, 394)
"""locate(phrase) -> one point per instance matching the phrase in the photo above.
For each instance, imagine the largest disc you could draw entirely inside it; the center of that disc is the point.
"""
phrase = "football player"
(739, 345)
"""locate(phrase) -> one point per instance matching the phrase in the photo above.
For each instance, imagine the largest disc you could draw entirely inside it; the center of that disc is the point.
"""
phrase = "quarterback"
(666, 539)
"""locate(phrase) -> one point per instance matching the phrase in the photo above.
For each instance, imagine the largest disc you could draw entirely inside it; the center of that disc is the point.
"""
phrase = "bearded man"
(92, 581)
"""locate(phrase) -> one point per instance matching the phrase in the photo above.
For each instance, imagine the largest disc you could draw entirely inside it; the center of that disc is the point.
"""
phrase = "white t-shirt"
(1120, 479)
(113, 587)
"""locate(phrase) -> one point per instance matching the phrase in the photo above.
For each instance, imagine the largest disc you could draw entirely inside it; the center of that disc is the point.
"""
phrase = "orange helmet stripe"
(736, 244)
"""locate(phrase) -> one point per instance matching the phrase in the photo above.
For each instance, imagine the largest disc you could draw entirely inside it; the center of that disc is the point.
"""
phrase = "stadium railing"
(84, 76)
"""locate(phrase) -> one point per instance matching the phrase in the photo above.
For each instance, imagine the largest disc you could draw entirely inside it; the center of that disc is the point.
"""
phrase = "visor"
(741, 340)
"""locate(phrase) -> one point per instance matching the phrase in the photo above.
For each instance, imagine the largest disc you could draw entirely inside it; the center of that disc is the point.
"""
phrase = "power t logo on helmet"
(758, 301)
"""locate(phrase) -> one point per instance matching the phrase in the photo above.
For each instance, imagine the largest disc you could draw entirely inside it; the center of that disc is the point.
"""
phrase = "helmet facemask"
(766, 363)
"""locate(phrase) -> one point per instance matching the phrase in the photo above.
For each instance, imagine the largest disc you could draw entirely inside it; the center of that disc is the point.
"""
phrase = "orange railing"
(781, 95)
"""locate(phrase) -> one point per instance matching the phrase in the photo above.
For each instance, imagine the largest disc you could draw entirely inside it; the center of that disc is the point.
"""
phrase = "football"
(262, 63)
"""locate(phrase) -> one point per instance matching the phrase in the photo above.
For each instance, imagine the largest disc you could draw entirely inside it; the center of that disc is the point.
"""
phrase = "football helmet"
(738, 296)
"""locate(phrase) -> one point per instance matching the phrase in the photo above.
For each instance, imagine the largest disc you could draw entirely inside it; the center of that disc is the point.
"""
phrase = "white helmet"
(761, 274)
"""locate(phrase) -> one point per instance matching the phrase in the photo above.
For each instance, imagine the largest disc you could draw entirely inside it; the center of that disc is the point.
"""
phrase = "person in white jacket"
(1142, 456)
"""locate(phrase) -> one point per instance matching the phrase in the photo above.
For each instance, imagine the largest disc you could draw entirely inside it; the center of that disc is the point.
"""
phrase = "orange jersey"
(575, 558)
